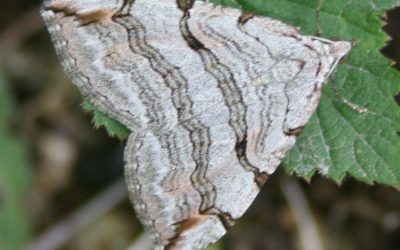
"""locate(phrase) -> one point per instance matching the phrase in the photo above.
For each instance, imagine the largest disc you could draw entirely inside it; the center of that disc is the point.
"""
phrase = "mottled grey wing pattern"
(214, 98)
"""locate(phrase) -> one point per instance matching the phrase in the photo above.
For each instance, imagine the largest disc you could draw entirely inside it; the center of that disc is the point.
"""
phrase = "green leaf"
(14, 226)
(113, 127)
(339, 141)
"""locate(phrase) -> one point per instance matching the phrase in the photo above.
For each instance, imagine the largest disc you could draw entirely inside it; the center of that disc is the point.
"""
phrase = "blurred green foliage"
(14, 179)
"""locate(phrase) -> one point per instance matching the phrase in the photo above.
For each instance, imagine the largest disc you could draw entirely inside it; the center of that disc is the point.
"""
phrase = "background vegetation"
(60, 179)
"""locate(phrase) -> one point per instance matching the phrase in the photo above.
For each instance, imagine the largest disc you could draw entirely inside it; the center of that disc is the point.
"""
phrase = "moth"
(214, 98)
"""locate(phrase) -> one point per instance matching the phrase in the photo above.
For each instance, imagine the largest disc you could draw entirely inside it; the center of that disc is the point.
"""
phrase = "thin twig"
(307, 228)
(142, 243)
(62, 232)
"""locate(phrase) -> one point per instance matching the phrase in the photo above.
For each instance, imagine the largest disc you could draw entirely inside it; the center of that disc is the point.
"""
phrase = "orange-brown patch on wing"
(97, 15)
(191, 222)
(183, 226)
(86, 16)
